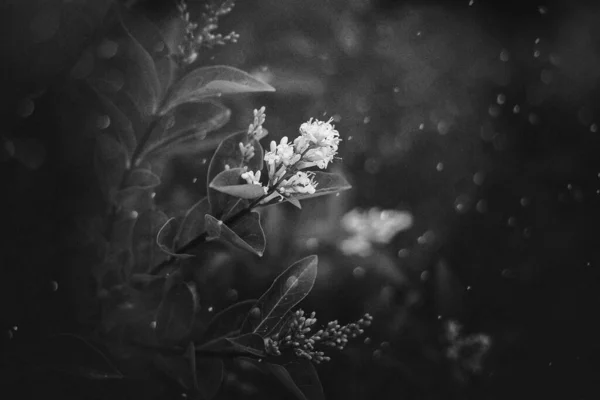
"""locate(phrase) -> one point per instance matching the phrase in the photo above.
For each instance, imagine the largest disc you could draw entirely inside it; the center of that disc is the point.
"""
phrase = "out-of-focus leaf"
(146, 251)
(327, 183)
(193, 223)
(125, 73)
(151, 39)
(284, 377)
(142, 178)
(110, 159)
(209, 376)
(228, 321)
(287, 290)
(245, 233)
(228, 182)
(175, 315)
(118, 123)
(178, 368)
(213, 81)
(228, 154)
(77, 356)
(305, 376)
(185, 123)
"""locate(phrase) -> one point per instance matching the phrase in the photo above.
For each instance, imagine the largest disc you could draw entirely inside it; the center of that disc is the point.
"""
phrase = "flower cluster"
(372, 226)
(200, 34)
(317, 145)
(296, 335)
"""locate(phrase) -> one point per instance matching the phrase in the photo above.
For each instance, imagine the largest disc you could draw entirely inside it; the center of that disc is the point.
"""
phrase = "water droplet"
(15, 328)
(507, 273)
(481, 206)
(367, 340)
(512, 221)
(159, 46)
(366, 120)
(421, 126)
(385, 345)
(546, 76)
(516, 109)
(500, 99)
(524, 201)
(527, 233)
(443, 127)
(359, 272)
(312, 243)
(537, 41)
(504, 55)
(403, 253)
(471, 2)
(232, 294)
(569, 186)
(424, 275)
(534, 119)
(469, 288)
(153, 325)
(594, 128)
(377, 354)
(9, 146)
(543, 10)
(107, 49)
(396, 89)
(134, 214)
(478, 178)
(255, 313)
(439, 317)
(494, 111)
(536, 53)
(54, 286)
(103, 122)
(25, 108)
(152, 195)
(439, 166)
(9, 334)
(210, 309)
(462, 203)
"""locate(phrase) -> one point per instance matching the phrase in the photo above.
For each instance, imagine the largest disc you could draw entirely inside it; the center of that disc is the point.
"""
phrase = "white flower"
(319, 133)
(283, 153)
(300, 182)
(253, 178)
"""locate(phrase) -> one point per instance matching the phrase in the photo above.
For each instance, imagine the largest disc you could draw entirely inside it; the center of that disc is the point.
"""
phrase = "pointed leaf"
(74, 355)
(185, 123)
(213, 81)
(228, 155)
(287, 290)
(175, 315)
(209, 375)
(152, 40)
(284, 377)
(305, 376)
(231, 183)
(193, 223)
(145, 250)
(228, 321)
(245, 233)
(327, 183)
(142, 178)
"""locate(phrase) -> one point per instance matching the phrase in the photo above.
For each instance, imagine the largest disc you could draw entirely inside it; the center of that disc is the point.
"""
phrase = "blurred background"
(470, 136)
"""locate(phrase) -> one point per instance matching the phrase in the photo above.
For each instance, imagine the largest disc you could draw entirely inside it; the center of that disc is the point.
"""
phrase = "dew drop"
(439, 317)
(478, 178)
(103, 122)
(500, 99)
(469, 288)
(54, 286)
(9, 146)
(443, 127)
(107, 49)
(15, 328)
(232, 294)
(516, 109)
(524, 201)
(507, 273)
(359, 272)
(9, 334)
(594, 128)
(255, 313)
(504, 55)
(377, 354)
(494, 111)
(134, 214)
(536, 53)
(25, 108)
(533, 119)
(152, 195)
(424, 275)
(527, 233)
(537, 41)
(546, 76)
(367, 340)
(481, 206)
(439, 167)
(210, 309)
(366, 120)
(542, 10)
(402, 253)
(153, 325)
(512, 221)
(421, 126)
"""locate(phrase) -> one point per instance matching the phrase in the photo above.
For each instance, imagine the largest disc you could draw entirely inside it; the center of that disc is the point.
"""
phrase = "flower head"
(300, 182)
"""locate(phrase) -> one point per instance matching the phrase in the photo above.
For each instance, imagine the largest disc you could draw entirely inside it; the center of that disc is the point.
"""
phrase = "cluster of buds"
(296, 334)
(201, 34)
(317, 145)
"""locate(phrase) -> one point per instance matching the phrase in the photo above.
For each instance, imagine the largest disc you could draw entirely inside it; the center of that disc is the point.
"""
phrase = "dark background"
(511, 218)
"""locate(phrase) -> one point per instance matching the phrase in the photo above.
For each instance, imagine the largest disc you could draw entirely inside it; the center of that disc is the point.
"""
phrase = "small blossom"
(256, 129)
(252, 178)
(318, 133)
(301, 182)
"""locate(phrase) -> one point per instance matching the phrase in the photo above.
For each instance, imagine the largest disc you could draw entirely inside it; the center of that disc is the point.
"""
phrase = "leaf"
(151, 39)
(193, 223)
(248, 344)
(74, 355)
(287, 290)
(161, 238)
(228, 182)
(228, 321)
(245, 233)
(213, 81)
(228, 154)
(304, 374)
(146, 251)
(209, 376)
(284, 377)
(185, 123)
(327, 183)
(175, 315)
(142, 178)
(110, 159)
(178, 368)
(126, 73)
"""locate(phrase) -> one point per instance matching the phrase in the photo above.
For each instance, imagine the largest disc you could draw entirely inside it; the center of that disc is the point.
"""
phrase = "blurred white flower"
(372, 226)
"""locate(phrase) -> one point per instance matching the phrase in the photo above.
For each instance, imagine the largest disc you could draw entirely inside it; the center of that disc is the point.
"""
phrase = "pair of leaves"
(287, 290)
